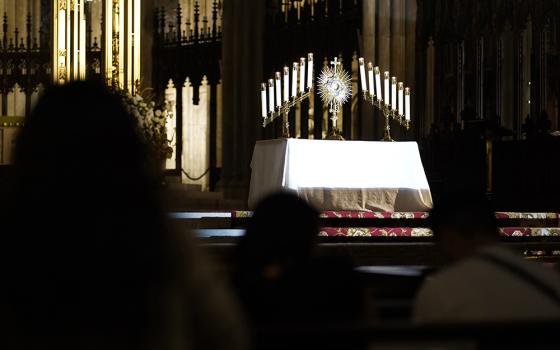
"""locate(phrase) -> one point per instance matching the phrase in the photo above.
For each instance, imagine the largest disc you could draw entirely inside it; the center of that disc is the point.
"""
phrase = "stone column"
(97, 25)
(398, 31)
(539, 70)
(498, 75)
(35, 19)
(410, 43)
(147, 43)
(242, 55)
(10, 10)
(527, 64)
(430, 74)
(508, 67)
(369, 45)
(460, 80)
(384, 36)
(383, 53)
(479, 78)
(20, 19)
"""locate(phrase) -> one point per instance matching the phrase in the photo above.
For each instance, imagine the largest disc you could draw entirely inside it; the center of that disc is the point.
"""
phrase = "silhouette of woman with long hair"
(88, 261)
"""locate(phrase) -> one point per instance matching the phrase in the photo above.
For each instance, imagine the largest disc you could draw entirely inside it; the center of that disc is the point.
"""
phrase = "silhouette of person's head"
(280, 278)
(462, 223)
(85, 240)
(80, 144)
(282, 232)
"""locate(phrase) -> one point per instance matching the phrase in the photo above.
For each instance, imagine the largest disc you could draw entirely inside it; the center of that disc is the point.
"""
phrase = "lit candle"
(362, 74)
(278, 90)
(401, 99)
(301, 75)
(309, 70)
(378, 83)
(370, 78)
(271, 95)
(286, 84)
(294, 79)
(386, 88)
(263, 99)
(394, 93)
(407, 103)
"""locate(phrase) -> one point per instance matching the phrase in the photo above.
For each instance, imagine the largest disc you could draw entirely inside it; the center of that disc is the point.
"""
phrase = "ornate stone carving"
(62, 72)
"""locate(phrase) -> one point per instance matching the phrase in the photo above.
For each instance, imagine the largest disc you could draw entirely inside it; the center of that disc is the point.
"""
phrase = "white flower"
(150, 121)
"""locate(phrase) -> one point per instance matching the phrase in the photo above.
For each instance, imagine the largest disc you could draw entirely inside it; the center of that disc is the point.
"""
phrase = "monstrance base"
(334, 134)
(387, 138)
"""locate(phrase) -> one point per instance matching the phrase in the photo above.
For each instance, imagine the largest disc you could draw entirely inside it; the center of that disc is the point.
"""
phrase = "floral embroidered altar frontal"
(342, 175)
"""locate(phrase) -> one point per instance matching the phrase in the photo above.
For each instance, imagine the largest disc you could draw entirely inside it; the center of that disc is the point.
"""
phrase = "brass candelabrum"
(284, 93)
(284, 111)
(388, 114)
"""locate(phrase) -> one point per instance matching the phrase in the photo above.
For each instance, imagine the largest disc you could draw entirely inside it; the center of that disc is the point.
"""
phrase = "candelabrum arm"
(285, 108)
(386, 110)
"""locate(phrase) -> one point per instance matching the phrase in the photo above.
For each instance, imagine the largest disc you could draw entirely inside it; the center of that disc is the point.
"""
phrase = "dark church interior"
(279, 174)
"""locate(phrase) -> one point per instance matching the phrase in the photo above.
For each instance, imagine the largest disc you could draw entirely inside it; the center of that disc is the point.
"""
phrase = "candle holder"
(335, 89)
(388, 114)
(385, 99)
(284, 112)
(280, 100)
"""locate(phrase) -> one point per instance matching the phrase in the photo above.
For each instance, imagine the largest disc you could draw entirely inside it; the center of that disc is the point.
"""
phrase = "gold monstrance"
(335, 89)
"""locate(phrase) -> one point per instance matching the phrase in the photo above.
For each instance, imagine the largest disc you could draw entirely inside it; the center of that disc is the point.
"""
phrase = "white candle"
(401, 99)
(407, 103)
(394, 93)
(302, 75)
(271, 95)
(370, 79)
(278, 90)
(386, 88)
(362, 74)
(286, 84)
(263, 100)
(378, 83)
(294, 79)
(309, 70)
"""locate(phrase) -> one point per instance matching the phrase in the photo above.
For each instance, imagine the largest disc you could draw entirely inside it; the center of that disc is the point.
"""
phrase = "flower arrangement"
(152, 120)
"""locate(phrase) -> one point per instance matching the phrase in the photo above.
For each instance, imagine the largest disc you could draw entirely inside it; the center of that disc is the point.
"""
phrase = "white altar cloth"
(342, 175)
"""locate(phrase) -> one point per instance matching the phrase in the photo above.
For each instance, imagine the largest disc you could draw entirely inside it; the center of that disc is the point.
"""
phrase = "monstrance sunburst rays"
(334, 86)
(335, 89)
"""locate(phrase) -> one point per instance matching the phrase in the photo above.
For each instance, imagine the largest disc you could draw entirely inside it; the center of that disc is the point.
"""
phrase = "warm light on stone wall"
(69, 40)
(122, 43)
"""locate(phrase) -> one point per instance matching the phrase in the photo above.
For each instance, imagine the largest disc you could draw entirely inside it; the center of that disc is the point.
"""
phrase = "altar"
(342, 175)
